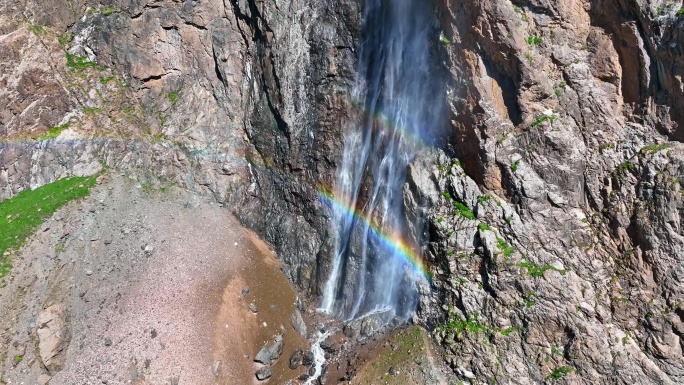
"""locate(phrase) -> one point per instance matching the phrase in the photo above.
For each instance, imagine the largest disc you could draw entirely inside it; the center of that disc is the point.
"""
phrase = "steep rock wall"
(569, 265)
(562, 117)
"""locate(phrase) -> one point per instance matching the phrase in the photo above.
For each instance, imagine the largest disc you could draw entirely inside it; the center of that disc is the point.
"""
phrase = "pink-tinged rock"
(53, 336)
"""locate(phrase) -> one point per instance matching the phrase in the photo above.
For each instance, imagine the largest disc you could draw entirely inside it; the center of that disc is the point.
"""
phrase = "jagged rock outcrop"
(219, 96)
(555, 228)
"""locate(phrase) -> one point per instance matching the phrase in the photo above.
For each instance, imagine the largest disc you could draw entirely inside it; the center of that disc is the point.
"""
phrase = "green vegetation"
(54, 132)
(109, 10)
(529, 58)
(533, 40)
(107, 79)
(22, 214)
(626, 166)
(444, 40)
(558, 88)
(504, 248)
(79, 62)
(457, 325)
(173, 97)
(159, 137)
(680, 11)
(559, 372)
(538, 271)
(91, 110)
(463, 210)
(542, 119)
(64, 40)
(654, 148)
(514, 165)
(483, 198)
(483, 226)
(36, 29)
(407, 352)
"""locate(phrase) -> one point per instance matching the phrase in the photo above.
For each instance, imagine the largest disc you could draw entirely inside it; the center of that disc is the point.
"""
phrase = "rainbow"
(381, 119)
(400, 247)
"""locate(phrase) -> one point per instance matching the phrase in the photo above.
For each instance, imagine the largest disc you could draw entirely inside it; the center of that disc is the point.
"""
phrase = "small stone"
(303, 377)
(263, 356)
(88, 272)
(108, 341)
(245, 291)
(308, 358)
(153, 333)
(216, 368)
(296, 358)
(264, 373)
(298, 324)
(253, 308)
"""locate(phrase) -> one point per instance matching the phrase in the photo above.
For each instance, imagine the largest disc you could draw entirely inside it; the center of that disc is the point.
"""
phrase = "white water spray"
(401, 107)
(319, 356)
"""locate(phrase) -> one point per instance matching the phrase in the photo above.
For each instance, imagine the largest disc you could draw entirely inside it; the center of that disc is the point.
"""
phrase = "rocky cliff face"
(554, 210)
(570, 265)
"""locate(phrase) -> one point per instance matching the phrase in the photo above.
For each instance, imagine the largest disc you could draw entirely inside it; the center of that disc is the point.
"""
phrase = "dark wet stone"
(296, 358)
(264, 373)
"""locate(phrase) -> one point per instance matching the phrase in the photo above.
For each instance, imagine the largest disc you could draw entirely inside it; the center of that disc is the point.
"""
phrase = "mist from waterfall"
(402, 105)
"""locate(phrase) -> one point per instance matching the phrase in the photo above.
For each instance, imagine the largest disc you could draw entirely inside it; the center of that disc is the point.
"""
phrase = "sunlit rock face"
(547, 213)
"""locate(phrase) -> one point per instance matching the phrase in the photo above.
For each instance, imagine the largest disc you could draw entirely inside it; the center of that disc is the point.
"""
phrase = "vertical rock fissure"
(375, 268)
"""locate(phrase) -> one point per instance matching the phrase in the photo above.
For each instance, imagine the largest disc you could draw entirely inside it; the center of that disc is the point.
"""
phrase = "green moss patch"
(54, 132)
(22, 214)
(399, 362)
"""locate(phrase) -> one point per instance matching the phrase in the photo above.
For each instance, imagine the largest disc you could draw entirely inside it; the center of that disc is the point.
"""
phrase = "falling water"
(401, 103)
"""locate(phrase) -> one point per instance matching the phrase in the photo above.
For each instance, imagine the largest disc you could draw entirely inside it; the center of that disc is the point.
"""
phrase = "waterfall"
(374, 268)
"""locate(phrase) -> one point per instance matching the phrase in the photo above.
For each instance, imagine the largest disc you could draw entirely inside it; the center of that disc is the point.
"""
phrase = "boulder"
(53, 336)
(296, 359)
(264, 373)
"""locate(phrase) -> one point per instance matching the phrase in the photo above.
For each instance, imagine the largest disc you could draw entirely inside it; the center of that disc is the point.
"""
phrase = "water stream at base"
(374, 266)
(319, 355)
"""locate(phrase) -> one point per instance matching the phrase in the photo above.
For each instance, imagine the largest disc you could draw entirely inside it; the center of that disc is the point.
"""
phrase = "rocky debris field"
(135, 285)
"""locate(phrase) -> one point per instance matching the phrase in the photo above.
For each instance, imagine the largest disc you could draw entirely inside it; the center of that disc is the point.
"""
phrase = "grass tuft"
(22, 214)
(79, 62)
(109, 10)
(54, 132)
(559, 372)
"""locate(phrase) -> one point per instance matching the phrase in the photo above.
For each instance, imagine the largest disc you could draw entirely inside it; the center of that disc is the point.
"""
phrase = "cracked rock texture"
(561, 260)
